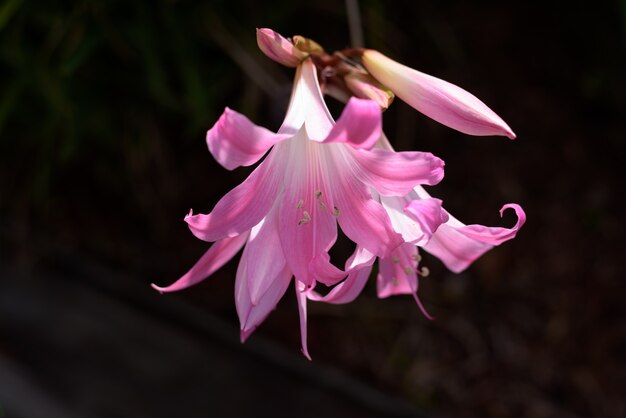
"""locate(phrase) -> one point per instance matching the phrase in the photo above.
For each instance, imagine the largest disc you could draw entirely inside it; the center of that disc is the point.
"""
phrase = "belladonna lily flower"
(318, 173)
(422, 222)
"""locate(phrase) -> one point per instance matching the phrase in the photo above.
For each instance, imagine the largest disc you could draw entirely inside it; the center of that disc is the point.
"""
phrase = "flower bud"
(436, 98)
(279, 48)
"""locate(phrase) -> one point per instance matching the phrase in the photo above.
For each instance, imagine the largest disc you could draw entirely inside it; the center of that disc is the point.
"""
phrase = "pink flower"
(317, 174)
(436, 98)
(422, 222)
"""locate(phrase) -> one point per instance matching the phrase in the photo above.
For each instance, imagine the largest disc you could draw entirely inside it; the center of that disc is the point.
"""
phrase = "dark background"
(103, 111)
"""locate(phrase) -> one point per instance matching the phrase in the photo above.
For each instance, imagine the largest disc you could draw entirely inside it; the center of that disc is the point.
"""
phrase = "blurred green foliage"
(80, 78)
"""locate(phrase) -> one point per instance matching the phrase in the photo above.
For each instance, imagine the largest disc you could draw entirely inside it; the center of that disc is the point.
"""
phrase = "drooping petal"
(458, 245)
(263, 256)
(301, 298)
(217, 255)
(361, 218)
(428, 213)
(278, 48)
(397, 173)
(358, 269)
(234, 141)
(398, 275)
(425, 217)
(243, 207)
(360, 124)
(436, 98)
(306, 226)
(252, 314)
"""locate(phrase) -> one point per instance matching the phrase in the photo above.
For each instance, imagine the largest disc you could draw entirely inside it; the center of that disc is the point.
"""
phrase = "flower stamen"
(306, 218)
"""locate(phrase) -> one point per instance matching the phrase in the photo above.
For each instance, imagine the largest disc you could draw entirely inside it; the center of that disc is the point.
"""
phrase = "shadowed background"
(103, 111)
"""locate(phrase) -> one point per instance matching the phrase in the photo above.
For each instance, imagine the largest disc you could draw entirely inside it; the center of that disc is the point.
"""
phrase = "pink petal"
(436, 98)
(251, 314)
(307, 106)
(360, 124)
(241, 208)
(263, 256)
(397, 273)
(428, 214)
(458, 245)
(418, 227)
(217, 255)
(278, 48)
(397, 173)
(306, 226)
(234, 141)
(301, 298)
(358, 269)
(361, 218)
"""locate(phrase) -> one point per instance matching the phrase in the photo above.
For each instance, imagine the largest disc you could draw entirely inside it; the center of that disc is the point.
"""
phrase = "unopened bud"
(279, 48)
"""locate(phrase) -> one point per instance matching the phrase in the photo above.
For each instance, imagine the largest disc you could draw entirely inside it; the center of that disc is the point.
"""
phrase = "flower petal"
(436, 98)
(428, 213)
(307, 106)
(278, 48)
(397, 173)
(358, 269)
(360, 124)
(217, 255)
(361, 218)
(263, 256)
(243, 207)
(365, 86)
(397, 273)
(234, 141)
(251, 314)
(306, 226)
(419, 222)
(458, 245)
(301, 298)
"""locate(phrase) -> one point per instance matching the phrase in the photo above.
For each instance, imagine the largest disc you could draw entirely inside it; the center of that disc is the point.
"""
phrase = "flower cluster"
(319, 173)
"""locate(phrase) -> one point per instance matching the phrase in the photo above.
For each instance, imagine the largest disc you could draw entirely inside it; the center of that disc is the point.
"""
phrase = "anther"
(424, 272)
(323, 205)
(300, 204)
(318, 194)
(395, 260)
(394, 281)
(416, 257)
(306, 218)
(335, 211)
(408, 270)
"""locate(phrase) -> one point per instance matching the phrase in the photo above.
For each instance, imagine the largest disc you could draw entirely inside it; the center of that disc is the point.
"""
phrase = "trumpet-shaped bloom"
(317, 174)
(422, 222)
(442, 101)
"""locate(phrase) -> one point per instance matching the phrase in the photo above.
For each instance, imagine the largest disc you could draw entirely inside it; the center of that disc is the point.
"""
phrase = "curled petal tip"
(157, 288)
(306, 354)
